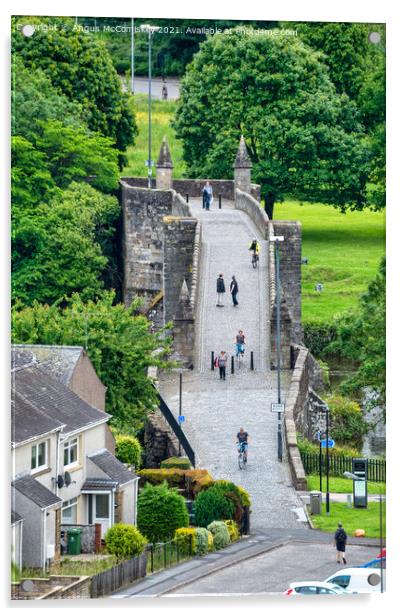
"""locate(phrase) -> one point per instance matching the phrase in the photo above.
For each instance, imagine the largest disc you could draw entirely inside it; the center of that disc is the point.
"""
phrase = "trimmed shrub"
(192, 480)
(128, 450)
(204, 541)
(198, 480)
(160, 512)
(184, 538)
(176, 463)
(233, 529)
(232, 492)
(220, 533)
(212, 504)
(124, 541)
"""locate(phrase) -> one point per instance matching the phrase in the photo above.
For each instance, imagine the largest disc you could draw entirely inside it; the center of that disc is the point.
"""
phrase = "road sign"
(181, 418)
(276, 407)
(330, 441)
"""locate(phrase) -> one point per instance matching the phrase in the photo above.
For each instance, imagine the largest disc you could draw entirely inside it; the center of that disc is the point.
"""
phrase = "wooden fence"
(376, 469)
(121, 575)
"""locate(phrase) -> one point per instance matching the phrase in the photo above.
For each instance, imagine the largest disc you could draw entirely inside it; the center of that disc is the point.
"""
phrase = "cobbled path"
(214, 410)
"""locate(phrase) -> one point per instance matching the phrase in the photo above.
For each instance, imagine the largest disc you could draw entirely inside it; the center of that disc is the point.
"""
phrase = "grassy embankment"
(343, 250)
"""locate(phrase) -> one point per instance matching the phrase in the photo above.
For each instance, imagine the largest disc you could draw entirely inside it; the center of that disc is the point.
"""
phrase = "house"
(63, 471)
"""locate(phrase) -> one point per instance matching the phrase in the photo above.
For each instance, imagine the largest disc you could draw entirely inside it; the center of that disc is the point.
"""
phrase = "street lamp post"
(180, 403)
(357, 478)
(132, 55)
(277, 239)
(150, 30)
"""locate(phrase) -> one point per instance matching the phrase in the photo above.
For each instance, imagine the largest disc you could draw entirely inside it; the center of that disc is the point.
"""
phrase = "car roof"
(361, 571)
(314, 583)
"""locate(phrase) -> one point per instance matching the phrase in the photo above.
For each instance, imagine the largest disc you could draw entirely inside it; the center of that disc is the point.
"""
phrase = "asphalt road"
(274, 570)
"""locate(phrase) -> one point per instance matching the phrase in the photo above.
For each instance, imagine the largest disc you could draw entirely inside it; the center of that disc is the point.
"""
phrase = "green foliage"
(186, 540)
(124, 541)
(304, 139)
(362, 337)
(368, 519)
(192, 480)
(306, 446)
(347, 422)
(119, 344)
(212, 504)
(204, 541)
(318, 335)
(176, 463)
(128, 450)
(161, 511)
(220, 533)
(233, 529)
(80, 68)
(238, 495)
(61, 248)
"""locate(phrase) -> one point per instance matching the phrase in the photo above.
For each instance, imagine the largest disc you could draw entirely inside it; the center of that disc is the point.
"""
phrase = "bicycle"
(242, 458)
(254, 260)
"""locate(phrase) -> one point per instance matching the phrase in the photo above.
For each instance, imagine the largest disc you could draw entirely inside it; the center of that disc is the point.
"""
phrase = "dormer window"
(39, 457)
(71, 452)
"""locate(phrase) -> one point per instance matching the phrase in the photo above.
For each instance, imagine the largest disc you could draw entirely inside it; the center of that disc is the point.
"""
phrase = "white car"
(358, 579)
(315, 588)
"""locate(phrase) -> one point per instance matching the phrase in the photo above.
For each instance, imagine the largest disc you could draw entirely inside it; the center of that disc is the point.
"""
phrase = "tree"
(80, 68)
(161, 510)
(61, 247)
(304, 139)
(362, 337)
(118, 342)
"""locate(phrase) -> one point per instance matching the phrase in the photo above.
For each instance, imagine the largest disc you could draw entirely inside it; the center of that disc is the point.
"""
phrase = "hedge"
(192, 480)
(175, 462)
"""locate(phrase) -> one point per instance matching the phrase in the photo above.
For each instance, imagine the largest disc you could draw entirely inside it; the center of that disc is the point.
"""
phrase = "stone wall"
(53, 587)
(290, 271)
(143, 213)
(179, 238)
(159, 441)
(180, 206)
(247, 203)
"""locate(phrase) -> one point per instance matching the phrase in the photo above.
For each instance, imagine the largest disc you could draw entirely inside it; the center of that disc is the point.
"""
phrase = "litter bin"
(74, 540)
(315, 503)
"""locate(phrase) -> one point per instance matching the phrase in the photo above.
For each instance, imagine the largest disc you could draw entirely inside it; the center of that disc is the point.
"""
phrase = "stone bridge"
(174, 251)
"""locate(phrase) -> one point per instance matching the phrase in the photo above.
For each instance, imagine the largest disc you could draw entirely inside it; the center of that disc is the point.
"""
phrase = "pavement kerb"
(214, 568)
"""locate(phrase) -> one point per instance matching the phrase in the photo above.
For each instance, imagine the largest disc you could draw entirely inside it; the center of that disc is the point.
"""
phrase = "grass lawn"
(343, 250)
(162, 113)
(341, 485)
(368, 519)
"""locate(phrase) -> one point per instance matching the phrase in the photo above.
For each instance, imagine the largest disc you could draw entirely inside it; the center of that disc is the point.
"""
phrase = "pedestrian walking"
(340, 539)
(234, 289)
(222, 361)
(220, 289)
(207, 196)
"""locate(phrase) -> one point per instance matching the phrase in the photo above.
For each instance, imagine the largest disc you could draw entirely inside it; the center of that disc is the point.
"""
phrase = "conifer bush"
(161, 511)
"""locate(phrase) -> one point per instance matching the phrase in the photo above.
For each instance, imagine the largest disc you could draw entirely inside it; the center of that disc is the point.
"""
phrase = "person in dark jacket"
(340, 539)
(220, 289)
(234, 289)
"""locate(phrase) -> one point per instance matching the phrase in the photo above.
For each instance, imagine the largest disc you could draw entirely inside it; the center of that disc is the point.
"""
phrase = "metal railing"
(376, 469)
(172, 421)
(164, 555)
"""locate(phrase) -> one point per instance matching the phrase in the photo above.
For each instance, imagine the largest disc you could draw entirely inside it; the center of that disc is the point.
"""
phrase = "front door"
(101, 511)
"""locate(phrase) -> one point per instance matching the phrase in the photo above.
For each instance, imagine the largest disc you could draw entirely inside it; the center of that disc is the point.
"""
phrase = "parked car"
(383, 553)
(375, 563)
(315, 588)
(357, 579)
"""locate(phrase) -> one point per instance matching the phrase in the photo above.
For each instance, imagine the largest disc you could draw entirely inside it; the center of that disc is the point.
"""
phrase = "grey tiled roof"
(58, 360)
(15, 517)
(28, 421)
(110, 465)
(35, 491)
(37, 394)
(96, 485)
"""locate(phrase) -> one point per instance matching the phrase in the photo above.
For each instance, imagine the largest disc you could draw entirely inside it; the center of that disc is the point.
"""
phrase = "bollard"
(232, 365)
(220, 202)
(186, 197)
(212, 360)
(252, 360)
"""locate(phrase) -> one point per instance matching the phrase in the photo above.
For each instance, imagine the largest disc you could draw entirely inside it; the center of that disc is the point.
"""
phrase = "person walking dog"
(234, 289)
(220, 289)
(340, 539)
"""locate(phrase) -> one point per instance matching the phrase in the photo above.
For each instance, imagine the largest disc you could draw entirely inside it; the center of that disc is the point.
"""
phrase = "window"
(39, 456)
(341, 580)
(71, 451)
(306, 590)
(69, 511)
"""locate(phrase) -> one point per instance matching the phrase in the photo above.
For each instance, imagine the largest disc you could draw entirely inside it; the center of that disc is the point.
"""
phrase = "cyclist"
(242, 441)
(240, 342)
(255, 247)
